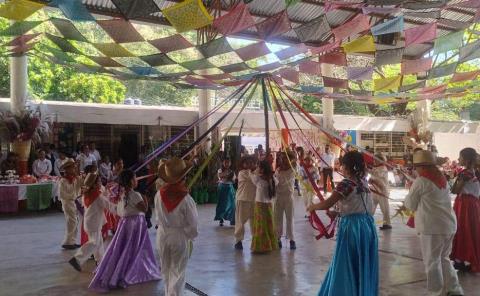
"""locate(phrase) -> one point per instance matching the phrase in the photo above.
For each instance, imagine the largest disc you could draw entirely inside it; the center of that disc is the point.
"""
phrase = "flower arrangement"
(28, 125)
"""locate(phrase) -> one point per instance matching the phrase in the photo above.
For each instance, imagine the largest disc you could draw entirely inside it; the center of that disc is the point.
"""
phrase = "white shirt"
(328, 158)
(261, 194)
(182, 220)
(42, 167)
(97, 155)
(432, 206)
(85, 160)
(58, 165)
(285, 182)
(246, 189)
(94, 216)
(131, 205)
(70, 191)
(105, 171)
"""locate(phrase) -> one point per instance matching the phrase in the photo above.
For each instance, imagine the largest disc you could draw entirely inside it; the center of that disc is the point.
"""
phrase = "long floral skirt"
(264, 238)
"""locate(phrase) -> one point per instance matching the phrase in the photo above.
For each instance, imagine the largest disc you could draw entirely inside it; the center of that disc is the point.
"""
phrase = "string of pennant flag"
(224, 62)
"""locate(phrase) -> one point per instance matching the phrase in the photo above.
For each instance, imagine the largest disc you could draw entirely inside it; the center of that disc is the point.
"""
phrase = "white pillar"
(327, 104)
(18, 83)
(424, 109)
(204, 105)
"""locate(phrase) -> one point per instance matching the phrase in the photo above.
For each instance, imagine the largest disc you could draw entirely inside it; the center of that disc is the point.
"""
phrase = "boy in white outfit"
(70, 186)
(283, 203)
(435, 221)
(177, 220)
(379, 179)
(245, 200)
(305, 170)
(93, 220)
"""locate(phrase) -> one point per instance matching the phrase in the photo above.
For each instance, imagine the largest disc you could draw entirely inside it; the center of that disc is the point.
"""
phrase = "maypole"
(265, 112)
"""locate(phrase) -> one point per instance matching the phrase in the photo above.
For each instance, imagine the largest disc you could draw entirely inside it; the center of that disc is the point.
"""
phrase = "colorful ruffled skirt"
(264, 238)
(354, 267)
(466, 244)
(226, 203)
(129, 258)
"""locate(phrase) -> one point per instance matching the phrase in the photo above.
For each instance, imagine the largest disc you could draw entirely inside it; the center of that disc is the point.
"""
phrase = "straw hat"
(90, 180)
(173, 170)
(67, 164)
(424, 157)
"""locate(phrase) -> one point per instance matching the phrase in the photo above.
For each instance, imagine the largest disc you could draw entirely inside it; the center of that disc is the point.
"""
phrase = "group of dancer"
(129, 258)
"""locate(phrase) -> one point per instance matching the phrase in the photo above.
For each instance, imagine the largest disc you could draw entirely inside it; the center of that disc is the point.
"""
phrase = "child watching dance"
(70, 188)
(129, 258)
(435, 221)
(93, 220)
(177, 220)
(306, 170)
(264, 238)
(283, 205)
(226, 194)
(379, 180)
(245, 200)
(354, 267)
(466, 243)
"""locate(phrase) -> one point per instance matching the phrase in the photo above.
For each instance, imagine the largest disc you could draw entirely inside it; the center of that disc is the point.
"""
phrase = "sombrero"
(67, 164)
(424, 157)
(90, 180)
(173, 170)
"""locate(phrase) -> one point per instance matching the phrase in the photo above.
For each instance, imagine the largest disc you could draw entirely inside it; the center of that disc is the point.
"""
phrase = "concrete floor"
(32, 262)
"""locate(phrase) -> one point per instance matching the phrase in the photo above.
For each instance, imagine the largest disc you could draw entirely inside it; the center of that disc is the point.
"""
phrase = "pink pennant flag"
(381, 10)
(433, 89)
(335, 58)
(431, 96)
(274, 26)
(467, 4)
(218, 76)
(416, 66)
(269, 67)
(236, 20)
(472, 75)
(334, 82)
(233, 83)
(253, 51)
(22, 40)
(290, 75)
(359, 24)
(310, 67)
(278, 79)
(359, 73)
(291, 51)
(325, 48)
(420, 34)
(332, 5)
(171, 43)
(199, 82)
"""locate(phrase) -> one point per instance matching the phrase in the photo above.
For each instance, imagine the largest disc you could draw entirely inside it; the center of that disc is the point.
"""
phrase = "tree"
(159, 93)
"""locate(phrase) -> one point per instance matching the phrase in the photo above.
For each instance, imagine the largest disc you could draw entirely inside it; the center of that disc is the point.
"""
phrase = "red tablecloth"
(8, 199)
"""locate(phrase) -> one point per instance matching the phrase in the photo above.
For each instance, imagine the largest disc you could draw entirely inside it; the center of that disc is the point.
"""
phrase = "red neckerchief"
(436, 177)
(172, 195)
(70, 179)
(90, 197)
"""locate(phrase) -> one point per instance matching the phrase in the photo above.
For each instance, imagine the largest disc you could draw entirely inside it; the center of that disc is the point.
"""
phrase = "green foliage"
(159, 93)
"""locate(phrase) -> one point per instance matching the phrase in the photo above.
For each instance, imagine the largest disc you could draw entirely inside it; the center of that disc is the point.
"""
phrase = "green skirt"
(264, 237)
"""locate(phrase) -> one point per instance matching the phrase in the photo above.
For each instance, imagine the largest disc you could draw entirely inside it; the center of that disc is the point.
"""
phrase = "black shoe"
(460, 266)
(69, 247)
(239, 246)
(91, 258)
(385, 227)
(77, 246)
(221, 223)
(73, 262)
(279, 244)
(293, 245)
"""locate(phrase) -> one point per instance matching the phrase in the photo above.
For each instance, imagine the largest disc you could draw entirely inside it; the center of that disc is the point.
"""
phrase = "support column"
(424, 110)
(18, 83)
(204, 105)
(327, 104)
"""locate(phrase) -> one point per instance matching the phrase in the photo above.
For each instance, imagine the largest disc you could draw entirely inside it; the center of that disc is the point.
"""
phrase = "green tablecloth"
(39, 196)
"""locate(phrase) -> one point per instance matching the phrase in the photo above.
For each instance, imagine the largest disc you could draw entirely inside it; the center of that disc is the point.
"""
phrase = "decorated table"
(38, 196)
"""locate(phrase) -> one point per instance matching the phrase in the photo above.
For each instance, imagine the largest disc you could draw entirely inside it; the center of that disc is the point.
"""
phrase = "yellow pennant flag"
(362, 44)
(383, 101)
(18, 10)
(386, 84)
(188, 15)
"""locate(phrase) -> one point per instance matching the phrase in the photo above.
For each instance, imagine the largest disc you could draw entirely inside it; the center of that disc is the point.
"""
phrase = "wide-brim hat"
(90, 180)
(70, 162)
(174, 170)
(424, 157)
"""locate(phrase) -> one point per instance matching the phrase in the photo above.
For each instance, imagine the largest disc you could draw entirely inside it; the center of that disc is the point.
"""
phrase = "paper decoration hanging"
(469, 52)
(134, 9)
(420, 5)
(274, 26)
(63, 44)
(113, 50)
(291, 51)
(464, 76)
(18, 10)
(290, 75)
(143, 71)
(188, 15)
(380, 10)
(218, 76)
(312, 89)
(386, 84)
(467, 4)
(234, 68)
(253, 51)
(334, 58)
(73, 10)
(159, 59)
(171, 43)
(197, 65)
(215, 47)
(448, 42)
(22, 40)
(236, 20)
(420, 34)
(436, 14)
(68, 30)
(314, 31)
(325, 48)
(362, 44)
(105, 61)
(334, 82)
(310, 67)
(359, 24)
(442, 71)
(20, 28)
(412, 86)
(391, 26)
(268, 67)
(433, 89)
(120, 30)
(331, 5)
(416, 66)
(359, 73)
(388, 56)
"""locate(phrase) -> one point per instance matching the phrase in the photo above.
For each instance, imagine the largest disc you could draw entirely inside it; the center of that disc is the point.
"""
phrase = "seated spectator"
(94, 151)
(42, 167)
(61, 160)
(85, 158)
(10, 163)
(105, 170)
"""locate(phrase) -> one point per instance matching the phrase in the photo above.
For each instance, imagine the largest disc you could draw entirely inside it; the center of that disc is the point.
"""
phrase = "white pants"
(307, 196)
(94, 247)
(71, 222)
(243, 213)
(283, 205)
(384, 207)
(174, 251)
(441, 276)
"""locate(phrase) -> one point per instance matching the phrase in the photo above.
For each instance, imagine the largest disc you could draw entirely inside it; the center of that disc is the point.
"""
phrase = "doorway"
(128, 149)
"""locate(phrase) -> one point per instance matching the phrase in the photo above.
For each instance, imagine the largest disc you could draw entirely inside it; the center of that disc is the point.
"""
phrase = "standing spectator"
(42, 167)
(327, 166)
(85, 158)
(61, 160)
(105, 170)
(94, 151)
(50, 155)
(117, 169)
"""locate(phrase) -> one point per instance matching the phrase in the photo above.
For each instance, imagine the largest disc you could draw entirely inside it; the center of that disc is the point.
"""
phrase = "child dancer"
(264, 238)
(129, 258)
(177, 220)
(245, 200)
(105, 170)
(354, 267)
(379, 179)
(70, 188)
(226, 194)
(93, 220)
(466, 244)
(306, 170)
(285, 175)
(435, 221)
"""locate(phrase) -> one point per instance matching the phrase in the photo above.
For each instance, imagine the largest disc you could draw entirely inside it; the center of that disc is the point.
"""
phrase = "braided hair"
(267, 172)
(354, 163)
(125, 181)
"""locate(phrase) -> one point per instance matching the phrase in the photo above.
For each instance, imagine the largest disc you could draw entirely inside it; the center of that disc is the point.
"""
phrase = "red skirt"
(466, 244)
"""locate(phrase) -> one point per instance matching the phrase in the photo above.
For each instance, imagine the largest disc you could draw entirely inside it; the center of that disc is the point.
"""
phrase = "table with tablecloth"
(38, 196)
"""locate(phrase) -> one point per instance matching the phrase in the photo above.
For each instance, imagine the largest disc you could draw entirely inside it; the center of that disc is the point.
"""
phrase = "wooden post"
(265, 111)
